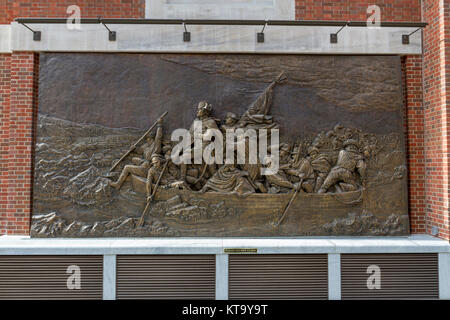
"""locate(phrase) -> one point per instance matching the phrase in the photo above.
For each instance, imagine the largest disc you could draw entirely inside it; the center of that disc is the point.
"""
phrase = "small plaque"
(240, 250)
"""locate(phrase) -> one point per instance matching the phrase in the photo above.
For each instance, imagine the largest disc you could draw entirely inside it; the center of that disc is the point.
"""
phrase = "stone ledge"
(216, 39)
(5, 39)
(413, 244)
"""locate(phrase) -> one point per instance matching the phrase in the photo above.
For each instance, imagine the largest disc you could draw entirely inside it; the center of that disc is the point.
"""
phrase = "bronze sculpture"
(339, 179)
(344, 175)
(142, 165)
(312, 171)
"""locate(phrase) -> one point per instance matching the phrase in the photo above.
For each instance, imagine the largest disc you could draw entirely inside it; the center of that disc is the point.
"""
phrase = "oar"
(289, 204)
(136, 143)
(141, 220)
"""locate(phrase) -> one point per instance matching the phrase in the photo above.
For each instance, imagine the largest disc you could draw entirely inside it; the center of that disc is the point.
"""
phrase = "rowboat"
(351, 197)
(256, 207)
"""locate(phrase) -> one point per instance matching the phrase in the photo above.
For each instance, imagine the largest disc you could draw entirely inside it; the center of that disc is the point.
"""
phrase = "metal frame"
(112, 34)
(36, 34)
(405, 37)
(334, 36)
(226, 22)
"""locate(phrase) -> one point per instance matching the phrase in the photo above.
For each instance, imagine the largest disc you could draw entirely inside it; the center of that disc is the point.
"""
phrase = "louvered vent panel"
(45, 277)
(166, 277)
(286, 276)
(402, 276)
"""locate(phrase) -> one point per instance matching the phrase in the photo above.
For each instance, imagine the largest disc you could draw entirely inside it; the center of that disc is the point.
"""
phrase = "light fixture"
(260, 35)
(112, 34)
(334, 36)
(36, 34)
(405, 37)
(186, 34)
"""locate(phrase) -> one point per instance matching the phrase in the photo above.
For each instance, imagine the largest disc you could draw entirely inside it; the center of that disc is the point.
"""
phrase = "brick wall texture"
(425, 97)
(414, 130)
(11, 9)
(436, 115)
(5, 92)
(356, 10)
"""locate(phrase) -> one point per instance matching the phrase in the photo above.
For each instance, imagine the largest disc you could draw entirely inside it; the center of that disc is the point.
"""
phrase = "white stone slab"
(26, 246)
(214, 9)
(215, 39)
(391, 245)
(444, 276)
(281, 245)
(221, 277)
(334, 276)
(5, 38)
(109, 277)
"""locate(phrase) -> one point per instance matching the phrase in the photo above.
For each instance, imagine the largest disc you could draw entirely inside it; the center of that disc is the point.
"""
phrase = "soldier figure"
(344, 175)
(153, 174)
(306, 172)
(141, 166)
(279, 179)
(321, 165)
(230, 122)
(204, 115)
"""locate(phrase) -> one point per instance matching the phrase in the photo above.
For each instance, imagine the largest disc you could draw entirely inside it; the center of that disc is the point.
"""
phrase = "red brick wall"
(426, 121)
(414, 131)
(356, 10)
(23, 104)
(436, 114)
(57, 8)
(5, 73)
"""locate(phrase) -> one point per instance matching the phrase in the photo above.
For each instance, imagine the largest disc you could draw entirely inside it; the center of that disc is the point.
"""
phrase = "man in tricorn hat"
(204, 110)
(350, 164)
(204, 116)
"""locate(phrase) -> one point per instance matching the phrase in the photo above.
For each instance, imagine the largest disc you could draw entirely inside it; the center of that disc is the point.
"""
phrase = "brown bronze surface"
(342, 156)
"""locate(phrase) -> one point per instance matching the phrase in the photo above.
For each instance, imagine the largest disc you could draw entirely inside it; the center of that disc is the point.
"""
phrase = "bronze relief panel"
(104, 157)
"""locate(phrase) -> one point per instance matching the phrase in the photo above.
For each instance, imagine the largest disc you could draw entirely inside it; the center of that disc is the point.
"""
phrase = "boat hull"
(256, 214)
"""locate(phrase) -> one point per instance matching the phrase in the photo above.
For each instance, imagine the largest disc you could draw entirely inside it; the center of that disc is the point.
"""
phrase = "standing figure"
(204, 115)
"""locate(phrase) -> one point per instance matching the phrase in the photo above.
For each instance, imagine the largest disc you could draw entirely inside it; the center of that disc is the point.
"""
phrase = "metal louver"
(166, 277)
(45, 277)
(402, 276)
(273, 276)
